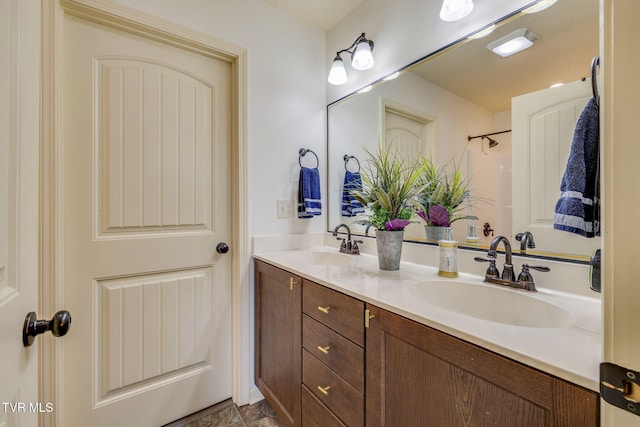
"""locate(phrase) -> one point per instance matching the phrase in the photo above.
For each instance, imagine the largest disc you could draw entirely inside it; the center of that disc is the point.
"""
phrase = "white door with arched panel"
(146, 196)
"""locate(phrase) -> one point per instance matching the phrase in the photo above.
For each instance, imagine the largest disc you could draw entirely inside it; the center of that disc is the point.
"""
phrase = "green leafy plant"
(390, 186)
(442, 187)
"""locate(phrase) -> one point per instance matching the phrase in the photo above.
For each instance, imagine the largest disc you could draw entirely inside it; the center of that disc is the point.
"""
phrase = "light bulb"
(454, 10)
(338, 74)
(362, 59)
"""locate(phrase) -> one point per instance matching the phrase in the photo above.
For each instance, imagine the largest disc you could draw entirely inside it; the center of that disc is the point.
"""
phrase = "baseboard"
(255, 395)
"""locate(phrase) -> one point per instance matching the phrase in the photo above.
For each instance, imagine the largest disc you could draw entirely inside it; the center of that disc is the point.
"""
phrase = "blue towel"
(309, 203)
(350, 206)
(578, 209)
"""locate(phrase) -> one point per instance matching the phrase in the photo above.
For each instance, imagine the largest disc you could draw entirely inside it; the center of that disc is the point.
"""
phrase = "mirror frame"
(545, 255)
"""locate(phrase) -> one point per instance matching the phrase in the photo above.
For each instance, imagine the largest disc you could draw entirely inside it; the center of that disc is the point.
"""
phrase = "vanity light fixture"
(514, 42)
(455, 10)
(361, 59)
(540, 6)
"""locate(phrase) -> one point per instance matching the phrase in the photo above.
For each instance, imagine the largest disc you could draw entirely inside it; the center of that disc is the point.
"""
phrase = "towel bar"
(302, 152)
(346, 159)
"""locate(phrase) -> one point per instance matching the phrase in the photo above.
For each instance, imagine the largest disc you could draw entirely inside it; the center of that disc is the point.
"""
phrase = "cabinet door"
(278, 326)
(419, 376)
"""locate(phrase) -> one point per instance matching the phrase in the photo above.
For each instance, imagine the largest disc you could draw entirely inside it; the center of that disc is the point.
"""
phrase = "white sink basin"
(324, 258)
(493, 303)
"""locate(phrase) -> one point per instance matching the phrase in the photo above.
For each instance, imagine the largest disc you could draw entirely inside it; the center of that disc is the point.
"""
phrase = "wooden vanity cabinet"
(317, 365)
(417, 376)
(278, 331)
(333, 340)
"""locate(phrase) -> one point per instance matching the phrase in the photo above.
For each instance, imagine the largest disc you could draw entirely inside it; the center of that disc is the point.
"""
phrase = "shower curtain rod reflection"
(492, 142)
(469, 138)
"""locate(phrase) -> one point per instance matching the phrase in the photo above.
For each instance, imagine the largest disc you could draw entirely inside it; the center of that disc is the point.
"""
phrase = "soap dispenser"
(448, 255)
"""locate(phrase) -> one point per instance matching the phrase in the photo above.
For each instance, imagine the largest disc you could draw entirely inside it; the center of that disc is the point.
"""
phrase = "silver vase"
(389, 244)
(434, 233)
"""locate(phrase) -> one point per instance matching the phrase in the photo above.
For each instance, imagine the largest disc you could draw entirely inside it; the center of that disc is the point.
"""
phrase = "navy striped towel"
(578, 209)
(350, 206)
(309, 203)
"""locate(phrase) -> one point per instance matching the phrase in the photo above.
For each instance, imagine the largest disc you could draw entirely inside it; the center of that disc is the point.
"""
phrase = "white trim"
(124, 18)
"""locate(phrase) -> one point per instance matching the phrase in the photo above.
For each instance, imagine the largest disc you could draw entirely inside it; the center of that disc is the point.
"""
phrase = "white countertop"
(572, 353)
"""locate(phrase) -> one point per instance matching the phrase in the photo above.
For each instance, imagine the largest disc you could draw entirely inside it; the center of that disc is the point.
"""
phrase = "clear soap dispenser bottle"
(448, 255)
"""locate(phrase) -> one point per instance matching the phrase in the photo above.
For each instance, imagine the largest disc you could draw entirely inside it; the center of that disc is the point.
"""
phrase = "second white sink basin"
(493, 303)
(324, 258)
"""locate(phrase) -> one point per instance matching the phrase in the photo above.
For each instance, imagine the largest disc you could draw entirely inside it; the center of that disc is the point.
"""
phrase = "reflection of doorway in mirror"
(543, 127)
(410, 134)
(490, 170)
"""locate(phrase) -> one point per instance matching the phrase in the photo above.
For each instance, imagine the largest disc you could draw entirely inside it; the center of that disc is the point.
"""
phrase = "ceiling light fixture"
(514, 42)
(454, 10)
(361, 59)
(540, 6)
(482, 33)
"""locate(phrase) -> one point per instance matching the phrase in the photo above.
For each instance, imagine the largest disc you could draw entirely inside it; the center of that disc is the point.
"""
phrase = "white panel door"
(19, 145)
(543, 124)
(146, 198)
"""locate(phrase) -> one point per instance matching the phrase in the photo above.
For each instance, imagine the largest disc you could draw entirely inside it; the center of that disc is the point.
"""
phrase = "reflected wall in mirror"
(433, 107)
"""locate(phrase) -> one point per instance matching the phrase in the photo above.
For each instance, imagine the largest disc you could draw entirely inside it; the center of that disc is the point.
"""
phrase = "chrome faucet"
(526, 241)
(347, 246)
(507, 272)
(507, 278)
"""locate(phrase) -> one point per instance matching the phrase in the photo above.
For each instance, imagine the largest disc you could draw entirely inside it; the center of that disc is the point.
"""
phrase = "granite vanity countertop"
(572, 353)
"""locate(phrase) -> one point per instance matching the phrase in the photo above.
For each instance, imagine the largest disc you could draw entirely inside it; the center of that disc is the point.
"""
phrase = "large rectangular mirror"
(466, 90)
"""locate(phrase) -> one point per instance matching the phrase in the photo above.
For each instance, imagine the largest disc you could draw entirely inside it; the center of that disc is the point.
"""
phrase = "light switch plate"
(285, 208)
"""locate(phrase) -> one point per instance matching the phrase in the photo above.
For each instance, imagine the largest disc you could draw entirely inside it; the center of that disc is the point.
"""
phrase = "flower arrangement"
(390, 187)
(443, 194)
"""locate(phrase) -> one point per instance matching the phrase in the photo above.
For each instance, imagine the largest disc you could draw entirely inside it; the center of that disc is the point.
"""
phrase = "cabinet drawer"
(315, 414)
(341, 355)
(339, 396)
(340, 312)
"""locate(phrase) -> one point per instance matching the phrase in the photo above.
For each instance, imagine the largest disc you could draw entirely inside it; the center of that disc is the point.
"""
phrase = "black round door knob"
(222, 248)
(59, 325)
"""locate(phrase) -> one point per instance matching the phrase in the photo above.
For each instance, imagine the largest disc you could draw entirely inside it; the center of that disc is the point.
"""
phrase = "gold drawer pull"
(292, 282)
(324, 390)
(325, 350)
(325, 310)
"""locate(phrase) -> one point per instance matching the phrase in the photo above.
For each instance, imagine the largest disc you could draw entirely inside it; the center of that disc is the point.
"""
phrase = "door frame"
(51, 299)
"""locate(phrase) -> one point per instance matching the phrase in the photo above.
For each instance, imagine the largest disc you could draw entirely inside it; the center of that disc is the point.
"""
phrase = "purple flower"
(438, 216)
(396, 224)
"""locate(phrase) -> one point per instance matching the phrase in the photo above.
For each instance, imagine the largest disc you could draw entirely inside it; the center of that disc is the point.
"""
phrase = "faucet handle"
(343, 245)
(536, 267)
(355, 250)
(492, 270)
(526, 278)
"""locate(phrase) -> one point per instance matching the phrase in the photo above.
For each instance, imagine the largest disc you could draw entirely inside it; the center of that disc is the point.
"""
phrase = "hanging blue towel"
(309, 203)
(578, 209)
(350, 206)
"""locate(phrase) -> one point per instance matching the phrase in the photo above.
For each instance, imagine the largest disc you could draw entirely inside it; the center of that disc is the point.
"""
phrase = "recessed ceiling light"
(514, 42)
(392, 76)
(540, 6)
(483, 33)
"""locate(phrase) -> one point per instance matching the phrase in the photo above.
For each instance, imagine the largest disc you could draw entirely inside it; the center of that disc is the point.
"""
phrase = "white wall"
(286, 95)
(403, 31)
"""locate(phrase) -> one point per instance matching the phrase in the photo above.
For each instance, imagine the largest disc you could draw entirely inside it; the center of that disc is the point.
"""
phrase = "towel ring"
(595, 62)
(346, 159)
(302, 152)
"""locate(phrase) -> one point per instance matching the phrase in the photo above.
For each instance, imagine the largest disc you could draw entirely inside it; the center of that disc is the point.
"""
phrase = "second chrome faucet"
(507, 277)
(347, 246)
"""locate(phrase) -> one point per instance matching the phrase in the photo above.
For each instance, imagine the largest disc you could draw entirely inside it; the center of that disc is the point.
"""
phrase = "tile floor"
(228, 414)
